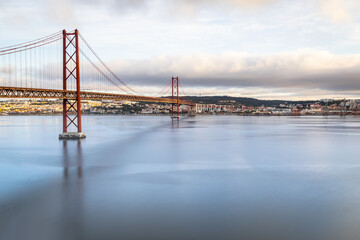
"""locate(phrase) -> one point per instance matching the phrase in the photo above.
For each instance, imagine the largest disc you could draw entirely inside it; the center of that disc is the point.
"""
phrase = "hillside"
(223, 100)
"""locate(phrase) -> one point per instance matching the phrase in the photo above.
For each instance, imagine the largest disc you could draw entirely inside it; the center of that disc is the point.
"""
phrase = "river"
(206, 177)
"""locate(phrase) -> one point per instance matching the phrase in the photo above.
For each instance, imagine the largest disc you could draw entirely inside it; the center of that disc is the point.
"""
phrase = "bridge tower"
(175, 107)
(71, 76)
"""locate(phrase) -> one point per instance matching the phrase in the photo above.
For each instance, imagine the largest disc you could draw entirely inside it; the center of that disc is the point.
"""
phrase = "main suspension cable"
(103, 63)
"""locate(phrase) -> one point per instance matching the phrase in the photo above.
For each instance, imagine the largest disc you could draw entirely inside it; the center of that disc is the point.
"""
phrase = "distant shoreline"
(183, 115)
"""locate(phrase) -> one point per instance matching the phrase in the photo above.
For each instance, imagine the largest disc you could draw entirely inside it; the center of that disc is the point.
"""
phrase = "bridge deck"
(14, 92)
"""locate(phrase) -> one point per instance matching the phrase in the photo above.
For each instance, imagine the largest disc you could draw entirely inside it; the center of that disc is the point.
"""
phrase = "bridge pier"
(72, 135)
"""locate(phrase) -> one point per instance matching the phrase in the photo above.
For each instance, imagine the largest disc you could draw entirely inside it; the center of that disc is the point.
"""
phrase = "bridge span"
(13, 92)
(64, 66)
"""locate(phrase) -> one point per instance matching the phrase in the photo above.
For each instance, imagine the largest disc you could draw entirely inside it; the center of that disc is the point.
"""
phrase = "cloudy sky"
(268, 49)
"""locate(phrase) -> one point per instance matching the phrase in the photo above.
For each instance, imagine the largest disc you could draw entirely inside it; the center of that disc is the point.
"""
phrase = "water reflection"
(77, 157)
(175, 123)
(72, 194)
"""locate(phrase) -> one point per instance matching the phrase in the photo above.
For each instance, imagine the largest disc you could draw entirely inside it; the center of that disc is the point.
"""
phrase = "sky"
(267, 49)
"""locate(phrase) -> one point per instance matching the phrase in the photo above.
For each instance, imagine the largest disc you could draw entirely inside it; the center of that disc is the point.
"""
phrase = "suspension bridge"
(64, 66)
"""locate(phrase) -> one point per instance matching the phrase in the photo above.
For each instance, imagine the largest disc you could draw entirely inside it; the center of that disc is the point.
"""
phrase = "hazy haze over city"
(268, 49)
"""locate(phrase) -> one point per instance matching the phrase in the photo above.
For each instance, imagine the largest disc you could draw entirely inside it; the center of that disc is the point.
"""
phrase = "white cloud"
(190, 7)
(300, 71)
(236, 64)
(60, 11)
(228, 46)
(342, 11)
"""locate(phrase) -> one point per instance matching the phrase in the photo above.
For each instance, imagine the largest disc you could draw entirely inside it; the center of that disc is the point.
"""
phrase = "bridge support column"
(175, 107)
(71, 75)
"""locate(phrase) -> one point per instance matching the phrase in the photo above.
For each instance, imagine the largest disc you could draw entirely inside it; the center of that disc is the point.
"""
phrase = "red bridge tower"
(71, 75)
(175, 107)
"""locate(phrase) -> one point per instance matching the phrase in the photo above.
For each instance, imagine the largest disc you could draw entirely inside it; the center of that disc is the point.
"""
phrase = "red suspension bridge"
(64, 66)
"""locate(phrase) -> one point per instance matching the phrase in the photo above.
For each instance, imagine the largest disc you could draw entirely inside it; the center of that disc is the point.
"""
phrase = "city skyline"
(262, 49)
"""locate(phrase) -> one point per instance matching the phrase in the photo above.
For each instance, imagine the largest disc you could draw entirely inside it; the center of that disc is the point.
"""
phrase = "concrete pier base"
(72, 135)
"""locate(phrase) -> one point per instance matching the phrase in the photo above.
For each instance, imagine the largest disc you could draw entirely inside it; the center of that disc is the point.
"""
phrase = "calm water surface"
(209, 177)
